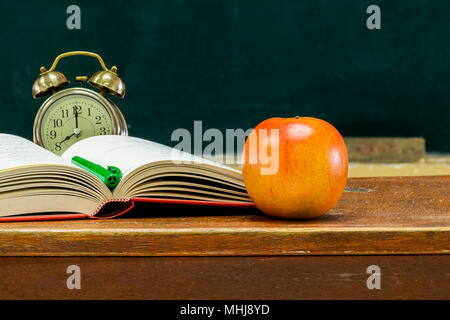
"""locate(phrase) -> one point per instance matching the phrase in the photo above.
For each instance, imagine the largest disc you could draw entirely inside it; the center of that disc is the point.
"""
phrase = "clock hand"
(76, 130)
(67, 138)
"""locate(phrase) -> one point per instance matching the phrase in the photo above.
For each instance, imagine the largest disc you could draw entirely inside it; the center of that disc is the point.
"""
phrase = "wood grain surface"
(375, 216)
(226, 278)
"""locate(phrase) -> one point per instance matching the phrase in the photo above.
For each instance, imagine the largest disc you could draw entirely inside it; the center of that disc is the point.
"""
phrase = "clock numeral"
(65, 113)
(52, 134)
(57, 123)
(89, 112)
(102, 130)
(99, 120)
(58, 146)
(77, 109)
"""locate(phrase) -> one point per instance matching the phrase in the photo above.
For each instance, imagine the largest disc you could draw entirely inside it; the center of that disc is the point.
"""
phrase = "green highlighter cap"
(110, 176)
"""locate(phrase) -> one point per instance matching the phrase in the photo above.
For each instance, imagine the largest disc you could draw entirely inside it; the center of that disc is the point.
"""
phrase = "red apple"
(295, 167)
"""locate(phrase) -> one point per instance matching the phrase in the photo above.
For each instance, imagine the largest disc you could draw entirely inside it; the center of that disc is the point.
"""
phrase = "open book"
(36, 184)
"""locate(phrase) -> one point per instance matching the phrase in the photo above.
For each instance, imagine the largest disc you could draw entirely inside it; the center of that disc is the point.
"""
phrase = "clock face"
(72, 118)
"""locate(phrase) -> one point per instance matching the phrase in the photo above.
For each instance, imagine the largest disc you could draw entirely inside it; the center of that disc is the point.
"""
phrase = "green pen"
(110, 176)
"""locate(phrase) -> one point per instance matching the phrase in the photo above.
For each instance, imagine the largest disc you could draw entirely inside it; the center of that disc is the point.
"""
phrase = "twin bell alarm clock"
(72, 114)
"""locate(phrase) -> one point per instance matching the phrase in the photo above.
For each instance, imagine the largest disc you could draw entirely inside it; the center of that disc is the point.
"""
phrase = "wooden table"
(401, 225)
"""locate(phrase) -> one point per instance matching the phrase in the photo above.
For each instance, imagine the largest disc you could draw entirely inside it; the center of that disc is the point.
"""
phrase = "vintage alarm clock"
(72, 114)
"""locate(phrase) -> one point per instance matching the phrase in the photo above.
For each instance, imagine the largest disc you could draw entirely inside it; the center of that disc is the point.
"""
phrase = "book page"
(18, 152)
(130, 153)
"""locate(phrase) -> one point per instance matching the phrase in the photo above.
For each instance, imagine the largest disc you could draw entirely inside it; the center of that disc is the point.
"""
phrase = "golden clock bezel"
(118, 125)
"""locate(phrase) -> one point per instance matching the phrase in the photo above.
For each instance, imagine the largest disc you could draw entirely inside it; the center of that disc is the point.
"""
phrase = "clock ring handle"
(50, 81)
(75, 53)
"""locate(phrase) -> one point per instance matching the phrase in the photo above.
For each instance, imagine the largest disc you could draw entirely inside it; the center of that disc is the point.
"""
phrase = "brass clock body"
(71, 115)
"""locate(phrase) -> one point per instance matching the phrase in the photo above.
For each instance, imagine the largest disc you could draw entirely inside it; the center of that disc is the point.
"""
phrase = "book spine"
(112, 208)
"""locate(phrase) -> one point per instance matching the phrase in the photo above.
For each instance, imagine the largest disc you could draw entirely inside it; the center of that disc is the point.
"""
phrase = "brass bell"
(109, 81)
(48, 82)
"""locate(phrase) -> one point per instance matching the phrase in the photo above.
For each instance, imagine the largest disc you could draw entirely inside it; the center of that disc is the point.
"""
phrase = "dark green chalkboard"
(234, 63)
